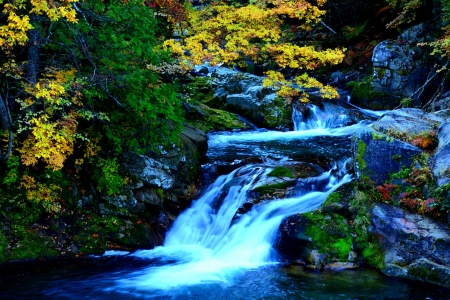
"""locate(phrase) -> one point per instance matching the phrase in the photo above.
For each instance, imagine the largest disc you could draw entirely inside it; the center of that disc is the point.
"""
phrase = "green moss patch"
(271, 188)
(281, 172)
(330, 233)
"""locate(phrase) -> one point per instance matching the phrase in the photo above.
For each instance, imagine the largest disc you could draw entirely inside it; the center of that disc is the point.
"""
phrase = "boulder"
(416, 247)
(376, 155)
(244, 94)
(292, 241)
(440, 162)
(401, 68)
(410, 121)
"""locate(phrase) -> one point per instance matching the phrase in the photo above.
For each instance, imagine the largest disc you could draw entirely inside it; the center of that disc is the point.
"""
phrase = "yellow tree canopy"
(226, 34)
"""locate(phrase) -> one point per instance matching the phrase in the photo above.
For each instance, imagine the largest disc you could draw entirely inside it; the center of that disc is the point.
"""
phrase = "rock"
(315, 259)
(401, 68)
(444, 134)
(376, 155)
(352, 256)
(441, 102)
(198, 137)
(292, 242)
(440, 162)
(148, 195)
(416, 247)
(408, 121)
(339, 266)
(243, 93)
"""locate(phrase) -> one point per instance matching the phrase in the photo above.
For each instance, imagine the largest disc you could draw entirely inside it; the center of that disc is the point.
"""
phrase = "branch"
(327, 27)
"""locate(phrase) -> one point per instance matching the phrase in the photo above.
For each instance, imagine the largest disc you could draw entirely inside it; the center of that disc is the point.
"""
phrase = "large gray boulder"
(416, 247)
(170, 175)
(440, 162)
(407, 121)
(377, 155)
(401, 68)
(244, 94)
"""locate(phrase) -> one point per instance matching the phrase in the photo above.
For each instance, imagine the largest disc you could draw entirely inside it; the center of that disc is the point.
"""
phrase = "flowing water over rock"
(211, 254)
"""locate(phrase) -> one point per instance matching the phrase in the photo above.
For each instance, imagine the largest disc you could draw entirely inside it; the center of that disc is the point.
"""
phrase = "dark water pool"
(98, 280)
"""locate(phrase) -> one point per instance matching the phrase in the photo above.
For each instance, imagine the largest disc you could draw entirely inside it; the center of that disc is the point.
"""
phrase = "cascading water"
(317, 118)
(205, 246)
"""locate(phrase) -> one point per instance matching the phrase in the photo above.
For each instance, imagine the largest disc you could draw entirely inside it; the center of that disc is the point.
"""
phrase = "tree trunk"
(33, 52)
(5, 124)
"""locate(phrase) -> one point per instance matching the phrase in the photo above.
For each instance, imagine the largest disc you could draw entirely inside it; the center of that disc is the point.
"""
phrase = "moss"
(364, 89)
(270, 188)
(31, 245)
(360, 155)
(330, 233)
(281, 172)
(277, 113)
(333, 198)
(373, 255)
(214, 119)
(380, 72)
(377, 136)
(424, 273)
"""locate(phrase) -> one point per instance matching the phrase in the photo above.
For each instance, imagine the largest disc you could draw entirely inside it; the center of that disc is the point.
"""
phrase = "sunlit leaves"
(14, 31)
(230, 35)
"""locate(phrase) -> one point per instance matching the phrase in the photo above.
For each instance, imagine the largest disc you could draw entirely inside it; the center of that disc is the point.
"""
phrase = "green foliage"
(355, 31)
(281, 172)
(108, 178)
(152, 115)
(94, 232)
(12, 174)
(364, 89)
(373, 255)
(4, 252)
(443, 192)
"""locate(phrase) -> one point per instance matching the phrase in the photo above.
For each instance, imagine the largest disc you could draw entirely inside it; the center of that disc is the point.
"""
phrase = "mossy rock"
(331, 234)
(207, 119)
(281, 172)
(270, 189)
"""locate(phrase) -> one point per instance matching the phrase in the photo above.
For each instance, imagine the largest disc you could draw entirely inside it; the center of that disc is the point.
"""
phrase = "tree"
(75, 76)
(234, 34)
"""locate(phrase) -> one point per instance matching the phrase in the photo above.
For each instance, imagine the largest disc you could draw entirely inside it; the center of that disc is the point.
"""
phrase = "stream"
(213, 253)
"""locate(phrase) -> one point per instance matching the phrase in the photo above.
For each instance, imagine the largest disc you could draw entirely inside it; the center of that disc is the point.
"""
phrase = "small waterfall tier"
(311, 116)
(205, 244)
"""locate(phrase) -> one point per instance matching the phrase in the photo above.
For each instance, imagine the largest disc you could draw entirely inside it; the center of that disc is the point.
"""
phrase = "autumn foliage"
(235, 34)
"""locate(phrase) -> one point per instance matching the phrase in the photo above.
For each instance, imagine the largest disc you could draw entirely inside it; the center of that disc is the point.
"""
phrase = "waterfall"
(331, 116)
(204, 245)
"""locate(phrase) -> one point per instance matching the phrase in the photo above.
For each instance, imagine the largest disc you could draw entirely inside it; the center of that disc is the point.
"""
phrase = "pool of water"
(99, 279)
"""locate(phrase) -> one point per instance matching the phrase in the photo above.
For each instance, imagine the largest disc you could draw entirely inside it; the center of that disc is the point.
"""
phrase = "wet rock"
(401, 68)
(293, 242)
(243, 93)
(148, 195)
(416, 247)
(315, 259)
(352, 256)
(340, 266)
(408, 121)
(440, 162)
(377, 155)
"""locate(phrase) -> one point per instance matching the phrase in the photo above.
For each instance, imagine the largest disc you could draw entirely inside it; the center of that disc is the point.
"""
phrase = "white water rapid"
(204, 245)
